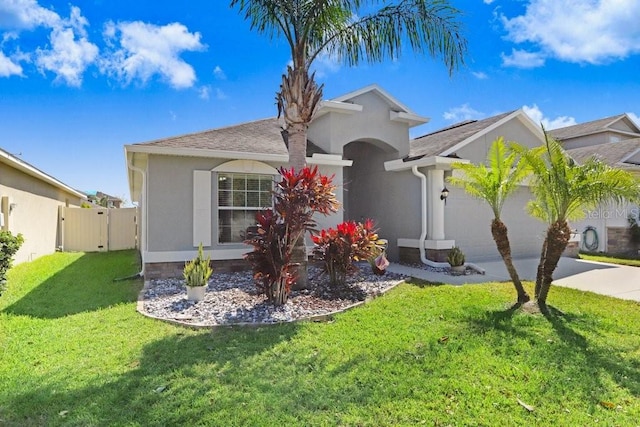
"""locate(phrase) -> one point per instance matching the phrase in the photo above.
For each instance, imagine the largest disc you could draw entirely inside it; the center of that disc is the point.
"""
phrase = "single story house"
(206, 187)
(615, 141)
(30, 202)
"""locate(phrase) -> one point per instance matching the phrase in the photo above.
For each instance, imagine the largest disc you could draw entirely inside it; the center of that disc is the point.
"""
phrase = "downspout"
(423, 234)
(143, 212)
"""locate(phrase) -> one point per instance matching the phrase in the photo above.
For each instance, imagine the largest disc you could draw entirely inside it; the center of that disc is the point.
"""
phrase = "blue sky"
(80, 79)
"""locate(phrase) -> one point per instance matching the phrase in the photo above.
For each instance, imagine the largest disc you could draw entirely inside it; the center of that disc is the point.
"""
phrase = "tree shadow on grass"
(185, 379)
(87, 284)
(573, 355)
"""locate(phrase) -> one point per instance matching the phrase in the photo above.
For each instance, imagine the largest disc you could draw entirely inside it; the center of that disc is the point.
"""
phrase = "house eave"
(433, 162)
(34, 172)
(408, 118)
(328, 160)
(198, 152)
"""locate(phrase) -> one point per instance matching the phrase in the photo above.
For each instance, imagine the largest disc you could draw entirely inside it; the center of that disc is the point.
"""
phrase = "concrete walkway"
(605, 279)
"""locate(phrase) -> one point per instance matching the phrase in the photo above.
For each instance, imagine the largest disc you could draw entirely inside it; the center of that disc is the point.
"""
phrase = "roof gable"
(374, 88)
(621, 123)
(616, 154)
(447, 141)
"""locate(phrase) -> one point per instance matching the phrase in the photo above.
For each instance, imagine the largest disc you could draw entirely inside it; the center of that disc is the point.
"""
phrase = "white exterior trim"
(435, 162)
(428, 244)
(201, 208)
(408, 118)
(519, 114)
(196, 152)
(333, 106)
(328, 160)
(246, 166)
(182, 256)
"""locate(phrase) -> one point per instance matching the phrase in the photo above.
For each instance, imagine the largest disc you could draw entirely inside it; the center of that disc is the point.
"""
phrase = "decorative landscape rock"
(231, 298)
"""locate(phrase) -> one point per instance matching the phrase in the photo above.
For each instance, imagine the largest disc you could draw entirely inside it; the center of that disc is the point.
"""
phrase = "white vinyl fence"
(98, 230)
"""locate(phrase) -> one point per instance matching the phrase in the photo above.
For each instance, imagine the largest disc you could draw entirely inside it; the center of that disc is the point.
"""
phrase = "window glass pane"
(224, 181)
(253, 183)
(239, 199)
(240, 196)
(224, 198)
(239, 182)
(224, 226)
(266, 183)
(253, 199)
(265, 200)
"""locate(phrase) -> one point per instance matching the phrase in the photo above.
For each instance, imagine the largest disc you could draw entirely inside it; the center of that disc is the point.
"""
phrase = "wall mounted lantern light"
(444, 194)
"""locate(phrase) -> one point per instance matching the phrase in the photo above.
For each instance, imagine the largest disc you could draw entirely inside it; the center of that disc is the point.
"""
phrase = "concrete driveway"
(605, 279)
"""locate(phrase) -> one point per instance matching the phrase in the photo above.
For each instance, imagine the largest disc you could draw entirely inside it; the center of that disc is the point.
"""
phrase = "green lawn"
(76, 353)
(634, 262)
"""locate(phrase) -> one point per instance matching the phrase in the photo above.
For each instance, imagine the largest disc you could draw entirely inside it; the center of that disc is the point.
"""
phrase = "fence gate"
(99, 229)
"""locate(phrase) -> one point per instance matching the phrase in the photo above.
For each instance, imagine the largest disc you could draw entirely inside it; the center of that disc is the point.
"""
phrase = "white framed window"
(240, 197)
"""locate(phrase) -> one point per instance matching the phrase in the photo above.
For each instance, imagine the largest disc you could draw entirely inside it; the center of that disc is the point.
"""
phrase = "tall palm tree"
(564, 191)
(350, 32)
(494, 183)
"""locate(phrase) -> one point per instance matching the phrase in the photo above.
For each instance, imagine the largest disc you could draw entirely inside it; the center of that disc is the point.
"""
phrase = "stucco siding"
(333, 131)
(589, 140)
(391, 199)
(512, 131)
(36, 214)
(468, 222)
(170, 204)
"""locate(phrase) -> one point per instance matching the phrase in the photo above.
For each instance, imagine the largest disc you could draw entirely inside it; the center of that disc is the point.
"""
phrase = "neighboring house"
(206, 187)
(615, 141)
(29, 204)
(100, 199)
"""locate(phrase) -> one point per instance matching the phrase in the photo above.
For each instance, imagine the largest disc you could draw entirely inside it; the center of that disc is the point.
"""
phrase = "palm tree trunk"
(499, 233)
(558, 235)
(540, 270)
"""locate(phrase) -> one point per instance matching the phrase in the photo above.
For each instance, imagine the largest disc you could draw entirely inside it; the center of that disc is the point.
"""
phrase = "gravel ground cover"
(232, 298)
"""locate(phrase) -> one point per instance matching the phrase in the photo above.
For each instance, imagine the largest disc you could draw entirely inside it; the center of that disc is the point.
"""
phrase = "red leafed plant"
(338, 248)
(296, 198)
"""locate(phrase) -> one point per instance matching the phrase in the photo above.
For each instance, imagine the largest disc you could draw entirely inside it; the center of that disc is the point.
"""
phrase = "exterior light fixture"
(444, 194)
(12, 206)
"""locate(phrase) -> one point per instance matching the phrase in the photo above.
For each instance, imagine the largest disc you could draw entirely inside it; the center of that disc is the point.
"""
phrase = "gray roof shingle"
(612, 153)
(436, 143)
(584, 128)
(260, 136)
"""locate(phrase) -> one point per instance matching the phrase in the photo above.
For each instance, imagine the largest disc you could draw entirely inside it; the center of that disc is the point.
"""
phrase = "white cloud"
(549, 124)
(203, 92)
(26, 14)
(71, 53)
(325, 64)
(220, 75)
(147, 50)
(522, 59)
(461, 113)
(488, 1)
(594, 32)
(220, 95)
(480, 75)
(8, 67)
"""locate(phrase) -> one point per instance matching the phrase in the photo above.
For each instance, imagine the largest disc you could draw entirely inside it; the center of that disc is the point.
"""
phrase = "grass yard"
(76, 353)
(633, 262)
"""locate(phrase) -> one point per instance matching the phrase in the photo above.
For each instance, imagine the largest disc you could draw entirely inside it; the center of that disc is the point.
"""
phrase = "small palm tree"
(494, 183)
(564, 191)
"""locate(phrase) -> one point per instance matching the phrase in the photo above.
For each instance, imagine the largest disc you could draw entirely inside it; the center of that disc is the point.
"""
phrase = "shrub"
(197, 271)
(296, 198)
(9, 245)
(455, 257)
(338, 248)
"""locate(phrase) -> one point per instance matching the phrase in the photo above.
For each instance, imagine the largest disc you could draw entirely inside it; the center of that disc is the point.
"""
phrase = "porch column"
(436, 206)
